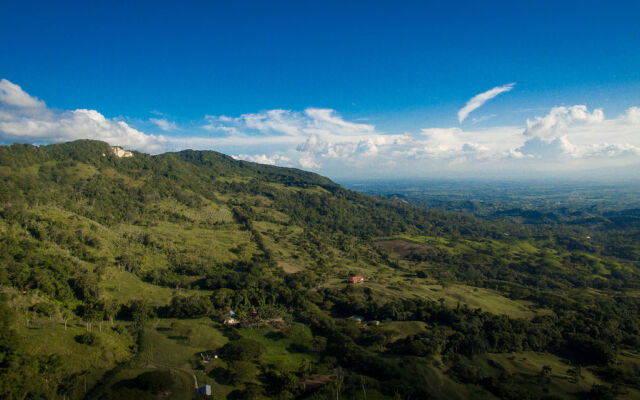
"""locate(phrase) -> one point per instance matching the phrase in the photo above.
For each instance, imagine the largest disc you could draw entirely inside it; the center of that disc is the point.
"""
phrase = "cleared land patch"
(289, 268)
(404, 247)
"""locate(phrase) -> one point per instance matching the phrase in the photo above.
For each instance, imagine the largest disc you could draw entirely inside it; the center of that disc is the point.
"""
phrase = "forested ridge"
(122, 275)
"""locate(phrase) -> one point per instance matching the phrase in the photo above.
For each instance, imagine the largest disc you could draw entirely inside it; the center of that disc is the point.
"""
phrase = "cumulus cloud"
(478, 100)
(553, 148)
(12, 95)
(564, 138)
(23, 117)
(308, 162)
(560, 118)
(574, 132)
(493, 142)
(321, 139)
(632, 115)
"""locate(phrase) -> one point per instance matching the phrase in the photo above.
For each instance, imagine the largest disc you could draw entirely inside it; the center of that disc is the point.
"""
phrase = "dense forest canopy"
(133, 277)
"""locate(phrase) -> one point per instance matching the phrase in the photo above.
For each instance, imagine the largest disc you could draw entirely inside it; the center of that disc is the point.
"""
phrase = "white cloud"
(278, 121)
(320, 121)
(322, 140)
(325, 120)
(574, 132)
(23, 117)
(308, 162)
(164, 124)
(561, 118)
(553, 148)
(275, 159)
(271, 122)
(13, 95)
(493, 142)
(483, 118)
(633, 115)
(318, 133)
(217, 124)
(478, 100)
(571, 137)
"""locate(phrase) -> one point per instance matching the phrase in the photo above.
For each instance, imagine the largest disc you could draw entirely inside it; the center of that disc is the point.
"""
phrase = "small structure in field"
(207, 357)
(229, 321)
(204, 390)
(356, 279)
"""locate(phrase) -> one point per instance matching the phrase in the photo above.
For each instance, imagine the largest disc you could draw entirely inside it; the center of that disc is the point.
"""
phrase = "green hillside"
(118, 273)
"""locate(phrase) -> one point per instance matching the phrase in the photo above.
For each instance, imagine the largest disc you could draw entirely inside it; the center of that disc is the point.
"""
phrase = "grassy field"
(45, 337)
(278, 348)
(173, 344)
(176, 344)
(388, 284)
(526, 367)
(402, 329)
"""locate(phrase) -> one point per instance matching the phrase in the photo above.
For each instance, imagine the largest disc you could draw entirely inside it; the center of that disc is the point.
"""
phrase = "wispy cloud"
(164, 124)
(483, 118)
(478, 100)
(264, 159)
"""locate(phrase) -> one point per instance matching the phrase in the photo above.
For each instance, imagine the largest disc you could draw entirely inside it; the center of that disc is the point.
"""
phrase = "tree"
(299, 335)
(190, 306)
(66, 316)
(8, 337)
(92, 312)
(88, 338)
(222, 298)
(242, 350)
(280, 383)
(141, 311)
(242, 371)
(250, 392)
(545, 374)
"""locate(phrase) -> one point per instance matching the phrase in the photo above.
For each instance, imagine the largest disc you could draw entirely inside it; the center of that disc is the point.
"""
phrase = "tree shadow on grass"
(221, 375)
(275, 335)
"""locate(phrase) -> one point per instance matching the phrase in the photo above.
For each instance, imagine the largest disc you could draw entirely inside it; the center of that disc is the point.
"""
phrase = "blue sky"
(394, 76)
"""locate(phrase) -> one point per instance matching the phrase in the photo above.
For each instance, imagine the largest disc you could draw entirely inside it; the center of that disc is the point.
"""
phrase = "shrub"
(46, 309)
(88, 338)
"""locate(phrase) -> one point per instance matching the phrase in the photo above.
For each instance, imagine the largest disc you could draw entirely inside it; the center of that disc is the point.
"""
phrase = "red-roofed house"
(356, 279)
